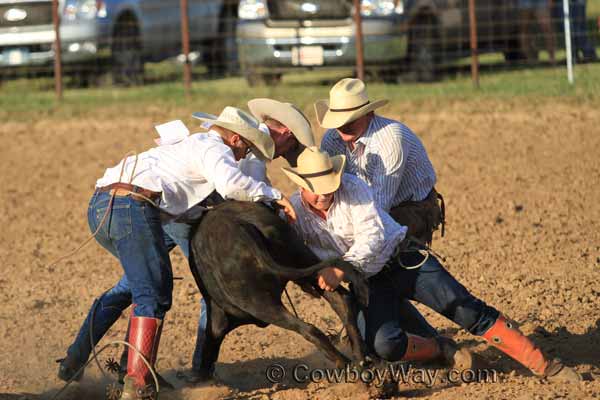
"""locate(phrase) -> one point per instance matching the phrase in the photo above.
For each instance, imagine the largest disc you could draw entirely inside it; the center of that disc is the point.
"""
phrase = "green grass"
(593, 9)
(22, 99)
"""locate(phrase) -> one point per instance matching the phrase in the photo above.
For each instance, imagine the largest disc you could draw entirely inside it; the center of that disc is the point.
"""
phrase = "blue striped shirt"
(390, 158)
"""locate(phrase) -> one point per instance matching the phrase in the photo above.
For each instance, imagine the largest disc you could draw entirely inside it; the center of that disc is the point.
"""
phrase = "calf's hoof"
(454, 356)
(69, 370)
(558, 372)
(195, 377)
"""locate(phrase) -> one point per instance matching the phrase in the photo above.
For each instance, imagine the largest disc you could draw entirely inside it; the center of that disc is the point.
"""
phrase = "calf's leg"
(218, 325)
(278, 315)
(346, 308)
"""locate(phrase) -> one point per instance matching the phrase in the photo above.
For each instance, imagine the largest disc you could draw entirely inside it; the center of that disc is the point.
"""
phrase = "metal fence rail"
(97, 42)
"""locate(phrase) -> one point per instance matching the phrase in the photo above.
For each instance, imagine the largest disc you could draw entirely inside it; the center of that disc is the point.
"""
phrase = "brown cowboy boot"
(437, 348)
(505, 336)
(144, 335)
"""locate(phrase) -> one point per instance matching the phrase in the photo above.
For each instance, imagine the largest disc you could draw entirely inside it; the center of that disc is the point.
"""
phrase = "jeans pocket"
(117, 224)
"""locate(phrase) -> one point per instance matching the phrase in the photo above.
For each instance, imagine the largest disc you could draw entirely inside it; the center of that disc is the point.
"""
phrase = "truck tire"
(126, 53)
(223, 60)
(423, 58)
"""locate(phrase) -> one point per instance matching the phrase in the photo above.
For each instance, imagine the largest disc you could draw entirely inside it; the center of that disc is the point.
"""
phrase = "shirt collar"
(364, 139)
(309, 209)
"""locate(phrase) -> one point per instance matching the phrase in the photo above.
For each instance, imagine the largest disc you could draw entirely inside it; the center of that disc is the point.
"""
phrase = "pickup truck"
(122, 34)
(275, 36)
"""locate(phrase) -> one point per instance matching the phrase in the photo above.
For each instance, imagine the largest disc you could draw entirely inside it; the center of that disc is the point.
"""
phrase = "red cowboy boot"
(144, 335)
(505, 336)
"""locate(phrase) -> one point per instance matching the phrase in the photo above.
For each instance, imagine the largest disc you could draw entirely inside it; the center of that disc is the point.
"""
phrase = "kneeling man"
(336, 216)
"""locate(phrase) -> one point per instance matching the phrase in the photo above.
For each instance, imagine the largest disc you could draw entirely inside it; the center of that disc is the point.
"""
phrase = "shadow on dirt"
(573, 349)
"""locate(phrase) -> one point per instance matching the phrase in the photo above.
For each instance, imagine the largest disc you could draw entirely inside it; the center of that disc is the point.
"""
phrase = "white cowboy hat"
(348, 101)
(244, 125)
(287, 114)
(317, 171)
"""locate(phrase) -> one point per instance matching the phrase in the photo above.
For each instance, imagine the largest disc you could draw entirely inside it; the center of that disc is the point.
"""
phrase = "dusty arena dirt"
(521, 183)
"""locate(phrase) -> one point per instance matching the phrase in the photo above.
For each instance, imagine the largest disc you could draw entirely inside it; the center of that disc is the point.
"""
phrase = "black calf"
(243, 256)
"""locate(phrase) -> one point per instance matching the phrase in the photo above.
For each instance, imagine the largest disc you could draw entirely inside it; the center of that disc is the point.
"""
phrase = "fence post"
(567, 14)
(57, 51)
(185, 42)
(474, 48)
(360, 65)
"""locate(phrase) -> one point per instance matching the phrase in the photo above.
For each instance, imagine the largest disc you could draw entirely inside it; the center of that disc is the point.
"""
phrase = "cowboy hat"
(287, 114)
(244, 125)
(347, 102)
(317, 171)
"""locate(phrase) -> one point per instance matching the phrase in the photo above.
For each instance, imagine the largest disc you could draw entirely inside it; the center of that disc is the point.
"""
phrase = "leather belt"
(130, 189)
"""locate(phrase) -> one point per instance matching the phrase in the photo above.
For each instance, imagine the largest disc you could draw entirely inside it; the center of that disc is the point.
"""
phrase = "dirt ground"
(520, 180)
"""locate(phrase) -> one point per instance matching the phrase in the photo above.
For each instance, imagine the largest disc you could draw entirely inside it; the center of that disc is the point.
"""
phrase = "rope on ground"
(77, 249)
(290, 300)
(116, 342)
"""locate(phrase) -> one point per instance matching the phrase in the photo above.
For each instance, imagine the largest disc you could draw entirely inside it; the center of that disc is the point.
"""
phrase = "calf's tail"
(359, 282)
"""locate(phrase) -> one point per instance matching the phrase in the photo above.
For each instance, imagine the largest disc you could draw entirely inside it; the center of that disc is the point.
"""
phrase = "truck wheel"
(255, 79)
(422, 55)
(126, 52)
(223, 50)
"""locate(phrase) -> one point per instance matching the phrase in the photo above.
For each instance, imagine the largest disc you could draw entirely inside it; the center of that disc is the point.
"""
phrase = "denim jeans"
(431, 285)
(581, 41)
(133, 233)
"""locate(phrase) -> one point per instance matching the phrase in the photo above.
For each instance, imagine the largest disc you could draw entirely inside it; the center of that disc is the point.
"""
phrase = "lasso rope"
(116, 342)
(92, 316)
(108, 210)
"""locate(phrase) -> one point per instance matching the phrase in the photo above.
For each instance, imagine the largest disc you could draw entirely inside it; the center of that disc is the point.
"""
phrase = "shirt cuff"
(269, 195)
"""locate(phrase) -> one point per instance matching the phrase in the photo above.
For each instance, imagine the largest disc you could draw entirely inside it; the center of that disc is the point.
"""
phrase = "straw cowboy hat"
(316, 171)
(348, 101)
(285, 113)
(244, 125)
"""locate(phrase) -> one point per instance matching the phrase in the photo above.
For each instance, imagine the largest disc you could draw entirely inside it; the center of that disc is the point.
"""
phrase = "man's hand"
(329, 278)
(287, 208)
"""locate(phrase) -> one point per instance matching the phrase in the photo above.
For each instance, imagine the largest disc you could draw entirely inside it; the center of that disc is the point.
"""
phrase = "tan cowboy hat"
(244, 125)
(348, 101)
(316, 171)
(287, 114)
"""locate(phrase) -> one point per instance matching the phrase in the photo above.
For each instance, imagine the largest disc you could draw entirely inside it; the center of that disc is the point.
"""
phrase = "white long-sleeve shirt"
(390, 158)
(188, 171)
(355, 228)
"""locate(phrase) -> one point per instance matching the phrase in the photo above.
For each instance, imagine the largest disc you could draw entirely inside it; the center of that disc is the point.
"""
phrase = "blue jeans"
(581, 41)
(133, 233)
(532, 4)
(430, 285)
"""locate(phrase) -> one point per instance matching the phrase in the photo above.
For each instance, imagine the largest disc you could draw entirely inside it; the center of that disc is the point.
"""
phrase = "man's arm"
(219, 164)
(385, 169)
(256, 169)
(330, 145)
(369, 236)
(369, 232)
(231, 183)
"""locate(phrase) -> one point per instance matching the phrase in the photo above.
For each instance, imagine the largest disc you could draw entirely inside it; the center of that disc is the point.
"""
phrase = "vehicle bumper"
(264, 47)
(34, 46)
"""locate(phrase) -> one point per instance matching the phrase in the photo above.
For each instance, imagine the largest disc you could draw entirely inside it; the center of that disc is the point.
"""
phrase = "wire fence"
(102, 42)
